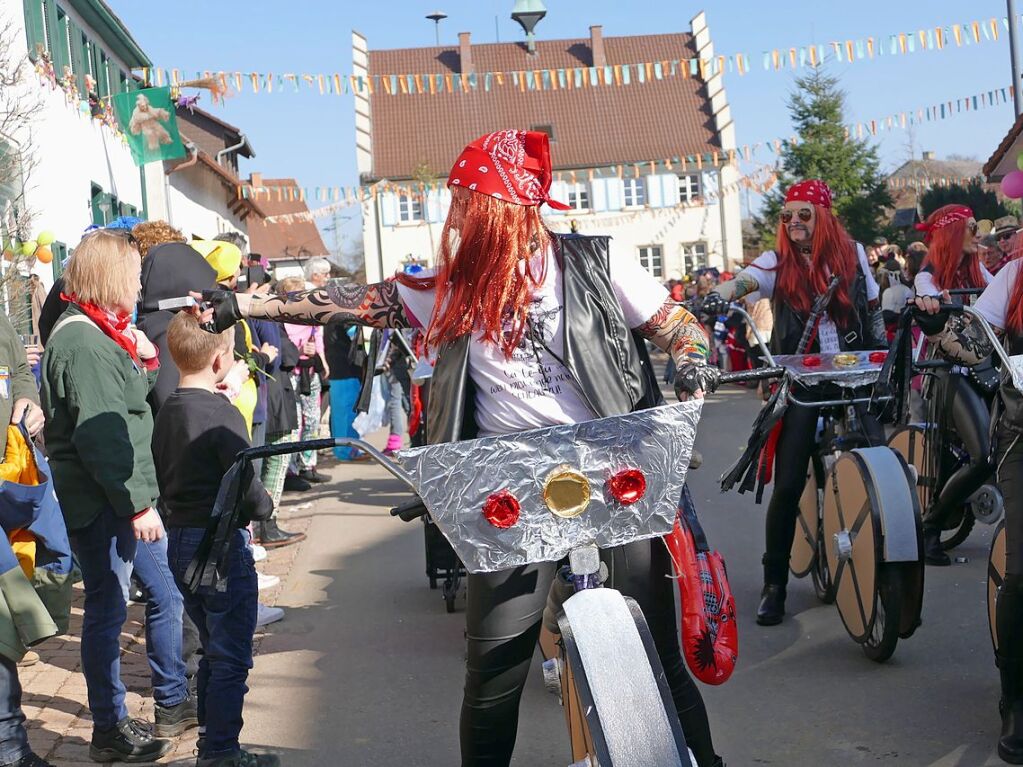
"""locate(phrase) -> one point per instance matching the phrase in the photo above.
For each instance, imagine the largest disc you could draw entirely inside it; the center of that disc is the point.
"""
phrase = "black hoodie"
(172, 270)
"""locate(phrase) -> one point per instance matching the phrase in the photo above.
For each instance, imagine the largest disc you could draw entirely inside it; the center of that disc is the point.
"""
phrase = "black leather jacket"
(606, 358)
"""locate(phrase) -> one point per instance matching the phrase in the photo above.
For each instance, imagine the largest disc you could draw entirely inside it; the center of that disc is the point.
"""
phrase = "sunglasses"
(1006, 236)
(972, 226)
(805, 214)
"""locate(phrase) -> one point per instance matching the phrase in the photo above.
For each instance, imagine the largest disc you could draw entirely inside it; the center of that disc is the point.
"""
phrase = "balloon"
(44, 254)
(1012, 185)
(8, 253)
(29, 247)
(1019, 161)
(45, 238)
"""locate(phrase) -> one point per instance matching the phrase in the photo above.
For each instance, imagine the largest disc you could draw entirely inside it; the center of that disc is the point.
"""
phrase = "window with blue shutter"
(59, 40)
(634, 192)
(615, 194)
(388, 202)
(598, 195)
(35, 27)
(59, 251)
(669, 189)
(654, 191)
(690, 187)
(577, 197)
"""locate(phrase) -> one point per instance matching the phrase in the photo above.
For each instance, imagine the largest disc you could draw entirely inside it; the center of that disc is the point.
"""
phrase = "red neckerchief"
(116, 327)
(1006, 258)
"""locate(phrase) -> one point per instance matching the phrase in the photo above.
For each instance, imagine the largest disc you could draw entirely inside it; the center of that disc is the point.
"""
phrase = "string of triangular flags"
(848, 51)
(926, 182)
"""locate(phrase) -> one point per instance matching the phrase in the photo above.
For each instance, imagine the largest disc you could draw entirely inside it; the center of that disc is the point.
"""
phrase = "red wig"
(834, 252)
(485, 277)
(951, 267)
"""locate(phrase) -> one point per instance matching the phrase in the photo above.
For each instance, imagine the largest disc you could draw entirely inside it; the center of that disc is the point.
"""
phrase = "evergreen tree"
(850, 166)
(984, 202)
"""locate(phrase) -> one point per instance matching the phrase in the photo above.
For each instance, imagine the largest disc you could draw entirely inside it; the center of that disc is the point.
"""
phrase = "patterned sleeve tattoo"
(378, 306)
(963, 341)
(743, 285)
(674, 330)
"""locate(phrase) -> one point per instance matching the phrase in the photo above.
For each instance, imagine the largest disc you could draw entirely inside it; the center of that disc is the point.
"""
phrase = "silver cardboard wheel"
(804, 546)
(995, 576)
(851, 541)
(910, 442)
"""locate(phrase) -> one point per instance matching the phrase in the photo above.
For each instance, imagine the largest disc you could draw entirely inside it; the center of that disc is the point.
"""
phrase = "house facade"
(287, 243)
(609, 146)
(77, 171)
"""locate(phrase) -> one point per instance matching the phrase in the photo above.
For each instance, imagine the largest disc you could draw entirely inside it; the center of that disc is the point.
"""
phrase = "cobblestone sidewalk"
(54, 700)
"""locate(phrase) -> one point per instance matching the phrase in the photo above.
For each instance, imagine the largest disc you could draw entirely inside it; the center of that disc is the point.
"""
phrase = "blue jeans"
(107, 553)
(226, 621)
(344, 394)
(13, 738)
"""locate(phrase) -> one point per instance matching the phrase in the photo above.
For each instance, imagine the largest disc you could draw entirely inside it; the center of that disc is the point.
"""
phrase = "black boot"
(772, 605)
(130, 740)
(933, 553)
(174, 720)
(1009, 658)
(269, 535)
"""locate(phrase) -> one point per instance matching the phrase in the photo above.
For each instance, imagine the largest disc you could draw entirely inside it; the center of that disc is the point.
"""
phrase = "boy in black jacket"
(197, 435)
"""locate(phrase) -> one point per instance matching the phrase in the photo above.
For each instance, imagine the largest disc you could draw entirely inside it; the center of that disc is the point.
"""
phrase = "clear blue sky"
(311, 137)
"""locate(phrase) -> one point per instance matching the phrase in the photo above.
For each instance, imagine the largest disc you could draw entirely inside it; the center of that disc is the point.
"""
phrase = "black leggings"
(503, 624)
(795, 447)
(971, 418)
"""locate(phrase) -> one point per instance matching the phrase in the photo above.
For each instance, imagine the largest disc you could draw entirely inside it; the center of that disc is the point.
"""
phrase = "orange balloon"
(44, 255)
(8, 254)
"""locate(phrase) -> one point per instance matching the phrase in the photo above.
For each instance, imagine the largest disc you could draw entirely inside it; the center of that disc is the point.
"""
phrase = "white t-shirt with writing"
(533, 390)
(993, 304)
(764, 271)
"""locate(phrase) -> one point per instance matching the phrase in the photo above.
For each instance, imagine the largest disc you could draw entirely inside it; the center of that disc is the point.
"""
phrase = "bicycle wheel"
(884, 634)
(995, 576)
(823, 583)
(617, 702)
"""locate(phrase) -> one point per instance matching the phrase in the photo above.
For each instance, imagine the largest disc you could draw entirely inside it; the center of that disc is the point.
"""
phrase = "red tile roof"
(592, 126)
(275, 241)
(991, 166)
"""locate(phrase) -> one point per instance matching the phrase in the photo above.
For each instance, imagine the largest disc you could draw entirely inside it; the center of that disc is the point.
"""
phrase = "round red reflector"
(878, 356)
(811, 361)
(627, 486)
(501, 509)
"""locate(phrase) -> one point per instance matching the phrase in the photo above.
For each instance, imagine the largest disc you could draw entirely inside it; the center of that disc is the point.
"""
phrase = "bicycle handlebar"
(410, 510)
(759, 374)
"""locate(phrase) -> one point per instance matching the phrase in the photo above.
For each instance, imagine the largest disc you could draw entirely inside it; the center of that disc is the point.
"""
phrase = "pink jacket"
(299, 334)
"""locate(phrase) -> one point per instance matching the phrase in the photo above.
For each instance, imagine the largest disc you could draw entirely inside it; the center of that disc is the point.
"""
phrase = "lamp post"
(1014, 53)
(436, 17)
(528, 13)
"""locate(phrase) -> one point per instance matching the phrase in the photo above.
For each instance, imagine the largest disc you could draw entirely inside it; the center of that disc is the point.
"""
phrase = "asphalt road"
(367, 667)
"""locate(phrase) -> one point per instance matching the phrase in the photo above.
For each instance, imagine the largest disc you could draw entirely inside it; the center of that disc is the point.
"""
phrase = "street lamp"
(436, 17)
(528, 13)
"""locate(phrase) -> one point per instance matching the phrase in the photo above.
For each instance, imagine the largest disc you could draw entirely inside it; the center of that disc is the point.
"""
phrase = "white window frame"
(695, 256)
(578, 197)
(410, 209)
(634, 192)
(690, 187)
(651, 258)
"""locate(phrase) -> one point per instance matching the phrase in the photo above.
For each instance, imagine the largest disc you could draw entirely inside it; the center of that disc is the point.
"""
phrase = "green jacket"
(16, 379)
(99, 427)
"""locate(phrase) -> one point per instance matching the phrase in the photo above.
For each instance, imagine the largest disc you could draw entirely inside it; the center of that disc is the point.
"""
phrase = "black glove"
(696, 376)
(714, 304)
(225, 309)
(930, 324)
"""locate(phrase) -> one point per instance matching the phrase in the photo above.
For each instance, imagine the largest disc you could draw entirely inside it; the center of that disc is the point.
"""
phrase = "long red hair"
(485, 278)
(951, 267)
(834, 252)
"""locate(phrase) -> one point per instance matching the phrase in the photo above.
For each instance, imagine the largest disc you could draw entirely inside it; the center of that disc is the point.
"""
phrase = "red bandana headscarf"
(958, 213)
(510, 165)
(813, 191)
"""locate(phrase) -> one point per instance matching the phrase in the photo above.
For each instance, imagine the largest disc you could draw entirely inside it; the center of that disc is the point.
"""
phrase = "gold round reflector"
(566, 493)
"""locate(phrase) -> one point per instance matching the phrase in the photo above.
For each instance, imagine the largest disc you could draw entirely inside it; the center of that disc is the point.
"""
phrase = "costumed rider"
(532, 329)
(962, 340)
(812, 247)
(963, 395)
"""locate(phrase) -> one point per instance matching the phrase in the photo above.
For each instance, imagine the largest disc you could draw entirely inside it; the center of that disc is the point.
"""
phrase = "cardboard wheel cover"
(850, 510)
(911, 443)
(995, 576)
(804, 546)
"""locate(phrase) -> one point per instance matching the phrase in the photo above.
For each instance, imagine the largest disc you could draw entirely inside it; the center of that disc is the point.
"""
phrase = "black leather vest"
(1012, 399)
(789, 324)
(607, 360)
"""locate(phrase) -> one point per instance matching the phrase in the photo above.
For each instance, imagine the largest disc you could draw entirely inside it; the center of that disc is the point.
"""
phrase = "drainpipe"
(234, 148)
(380, 246)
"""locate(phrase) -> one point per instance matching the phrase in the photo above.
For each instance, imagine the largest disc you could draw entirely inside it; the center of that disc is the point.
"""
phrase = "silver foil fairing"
(455, 479)
(863, 373)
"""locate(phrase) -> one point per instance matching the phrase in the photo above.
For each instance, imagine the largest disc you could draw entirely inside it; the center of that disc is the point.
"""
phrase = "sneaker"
(174, 720)
(258, 552)
(389, 452)
(29, 760)
(267, 581)
(311, 475)
(130, 740)
(267, 615)
(241, 759)
(28, 659)
(295, 484)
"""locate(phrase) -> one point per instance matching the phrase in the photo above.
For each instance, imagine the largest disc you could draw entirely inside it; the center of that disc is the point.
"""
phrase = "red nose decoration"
(878, 357)
(627, 486)
(811, 361)
(501, 509)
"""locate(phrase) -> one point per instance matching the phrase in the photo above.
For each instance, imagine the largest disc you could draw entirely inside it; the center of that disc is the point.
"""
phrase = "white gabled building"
(672, 218)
